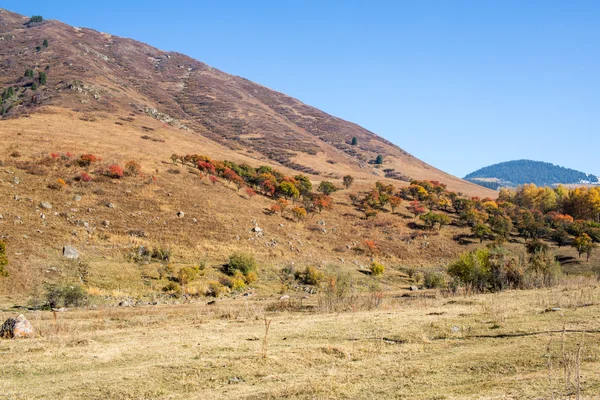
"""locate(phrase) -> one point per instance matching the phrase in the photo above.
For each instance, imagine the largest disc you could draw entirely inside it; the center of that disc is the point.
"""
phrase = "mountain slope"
(519, 172)
(92, 72)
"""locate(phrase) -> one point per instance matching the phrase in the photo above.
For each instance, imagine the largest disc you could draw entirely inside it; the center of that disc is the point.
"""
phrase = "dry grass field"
(498, 346)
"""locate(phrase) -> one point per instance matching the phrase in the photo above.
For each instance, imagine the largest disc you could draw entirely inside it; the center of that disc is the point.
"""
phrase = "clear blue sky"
(459, 84)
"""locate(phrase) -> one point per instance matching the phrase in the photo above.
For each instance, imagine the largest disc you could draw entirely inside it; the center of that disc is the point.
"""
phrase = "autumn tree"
(303, 184)
(481, 231)
(288, 190)
(205, 167)
(132, 167)
(560, 237)
(327, 188)
(583, 244)
(416, 208)
(394, 202)
(321, 202)
(348, 181)
(299, 213)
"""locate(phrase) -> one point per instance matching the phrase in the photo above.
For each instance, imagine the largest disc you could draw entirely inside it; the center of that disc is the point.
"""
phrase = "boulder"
(70, 252)
(16, 328)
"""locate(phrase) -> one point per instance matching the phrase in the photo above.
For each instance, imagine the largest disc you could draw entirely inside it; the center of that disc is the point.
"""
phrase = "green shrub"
(236, 283)
(36, 18)
(215, 289)
(434, 280)
(377, 269)
(241, 262)
(65, 296)
(161, 254)
(310, 276)
(173, 288)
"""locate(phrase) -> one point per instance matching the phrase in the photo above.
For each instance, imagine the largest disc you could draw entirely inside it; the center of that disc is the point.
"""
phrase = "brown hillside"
(124, 100)
(91, 72)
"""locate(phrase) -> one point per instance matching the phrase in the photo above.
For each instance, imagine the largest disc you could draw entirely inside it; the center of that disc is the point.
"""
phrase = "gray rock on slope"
(70, 252)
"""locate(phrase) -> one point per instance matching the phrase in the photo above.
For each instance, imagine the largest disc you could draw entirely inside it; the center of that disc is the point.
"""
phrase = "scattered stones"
(235, 379)
(45, 205)
(70, 252)
(180, 214)
(16, 328)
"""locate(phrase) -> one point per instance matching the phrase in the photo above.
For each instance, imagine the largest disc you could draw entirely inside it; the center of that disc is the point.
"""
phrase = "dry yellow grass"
(500, 346)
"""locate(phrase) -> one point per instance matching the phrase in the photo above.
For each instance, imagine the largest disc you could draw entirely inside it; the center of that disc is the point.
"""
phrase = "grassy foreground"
(501, 346)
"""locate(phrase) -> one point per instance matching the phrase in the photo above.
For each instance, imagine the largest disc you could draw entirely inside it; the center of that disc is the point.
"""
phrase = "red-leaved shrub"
(115, 171)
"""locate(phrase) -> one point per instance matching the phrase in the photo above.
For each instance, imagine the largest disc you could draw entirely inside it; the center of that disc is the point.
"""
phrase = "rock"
(321, 222)
(45, 205)
(1, 217)
(180, 214)
(413, 288)
(77, 197)
(126, 303)
(16, 180)
(455, 329)
(257, 229)
(43, 216)
(16, 328)
(105, 223)
(111, 205)
(284, 297)
(16, 198)
(235, 379)
(70, 252)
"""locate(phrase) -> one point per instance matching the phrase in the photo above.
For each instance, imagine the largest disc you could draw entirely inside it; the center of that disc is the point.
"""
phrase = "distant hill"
(520, 172)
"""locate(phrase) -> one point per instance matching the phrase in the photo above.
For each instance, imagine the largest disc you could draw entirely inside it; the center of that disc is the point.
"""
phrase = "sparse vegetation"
(3, 260)
(377, 268)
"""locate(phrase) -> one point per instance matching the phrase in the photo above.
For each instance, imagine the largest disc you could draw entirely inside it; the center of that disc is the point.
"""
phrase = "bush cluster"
(495, 269)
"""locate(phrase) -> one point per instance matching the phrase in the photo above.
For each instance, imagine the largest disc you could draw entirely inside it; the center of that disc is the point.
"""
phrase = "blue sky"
(459, 84)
